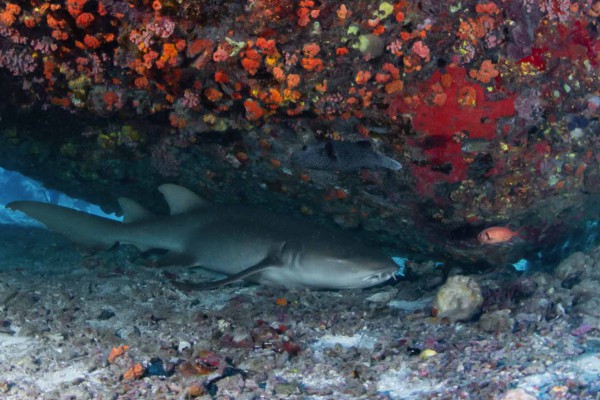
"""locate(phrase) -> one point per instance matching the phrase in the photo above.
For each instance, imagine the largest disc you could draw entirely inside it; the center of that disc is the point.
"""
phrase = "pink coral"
(190, 99)
(161, 27)
(420, 49)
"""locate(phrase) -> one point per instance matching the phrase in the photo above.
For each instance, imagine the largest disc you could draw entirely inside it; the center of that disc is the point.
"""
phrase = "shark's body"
(240, 241)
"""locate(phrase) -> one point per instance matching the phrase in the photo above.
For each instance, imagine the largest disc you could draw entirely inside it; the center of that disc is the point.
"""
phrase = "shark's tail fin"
(88, 230)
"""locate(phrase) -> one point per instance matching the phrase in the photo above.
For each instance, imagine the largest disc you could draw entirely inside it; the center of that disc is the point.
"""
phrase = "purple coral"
(17, 62)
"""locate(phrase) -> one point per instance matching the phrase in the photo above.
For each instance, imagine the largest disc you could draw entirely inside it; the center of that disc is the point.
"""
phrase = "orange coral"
(117, 352)
(305, 12)
(91, 42)
(49, 68)
(112, 101)
(293, 80)
(292, 95)
(473, 30)
(102, 10)
(59, 35)
(213, 94)
(64, 102)
(440, 99)
(486, 72)
(275, 97)
(394, 86)
(251, 61)
(55, 23)
(250, 65)
(149, 58)
(29, 21)
(362, 77)
(342, 12)
(278, 74)
(253, 110)
(221, 77)
(446, 80)
(75, 7)
(341, 51)
(311, 49)
(177, 121)
(180, 44)
(321, 87)
(168, 57)
(84, 20)
(134, 372)
(379, 30)
(7, 18)
(198, 46)
(467, 30)
(312, 64)
(141, 82)
(266, 45)
(13, 8)
(9, 15)
(467, 96)
(372, 23)
(487, 8)
(380, 77)
(392, 69)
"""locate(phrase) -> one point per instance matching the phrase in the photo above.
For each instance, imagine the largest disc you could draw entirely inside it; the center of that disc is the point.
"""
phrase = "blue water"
(16, 186)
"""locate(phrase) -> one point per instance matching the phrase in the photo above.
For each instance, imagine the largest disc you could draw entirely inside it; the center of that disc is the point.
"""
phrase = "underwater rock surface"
(491, 107)
(105, 325)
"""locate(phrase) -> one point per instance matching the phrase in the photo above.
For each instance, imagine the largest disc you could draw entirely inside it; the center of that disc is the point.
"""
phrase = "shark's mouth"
(378, 277)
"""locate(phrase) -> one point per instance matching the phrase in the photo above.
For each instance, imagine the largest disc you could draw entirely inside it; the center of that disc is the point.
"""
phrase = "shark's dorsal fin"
(180, 199)
(133, 211)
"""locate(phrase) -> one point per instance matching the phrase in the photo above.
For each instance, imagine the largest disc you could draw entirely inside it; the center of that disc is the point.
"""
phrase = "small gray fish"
(475, 145)
(343, 156)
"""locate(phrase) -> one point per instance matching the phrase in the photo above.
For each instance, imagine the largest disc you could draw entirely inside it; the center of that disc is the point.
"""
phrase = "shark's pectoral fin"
(272, 261)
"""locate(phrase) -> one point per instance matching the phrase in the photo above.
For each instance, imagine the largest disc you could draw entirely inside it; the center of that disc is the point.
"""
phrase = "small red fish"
(495, 235)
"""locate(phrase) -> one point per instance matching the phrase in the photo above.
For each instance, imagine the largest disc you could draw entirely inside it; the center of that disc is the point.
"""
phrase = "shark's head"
(336, 264)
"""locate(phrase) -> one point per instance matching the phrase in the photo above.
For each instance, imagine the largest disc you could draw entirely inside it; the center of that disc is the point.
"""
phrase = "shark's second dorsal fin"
(133, 211)
(180, 199)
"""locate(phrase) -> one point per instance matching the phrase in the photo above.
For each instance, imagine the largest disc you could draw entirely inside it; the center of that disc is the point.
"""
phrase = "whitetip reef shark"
(243, 242)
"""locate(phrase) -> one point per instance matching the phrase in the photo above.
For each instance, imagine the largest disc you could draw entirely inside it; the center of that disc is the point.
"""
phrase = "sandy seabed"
(64, 314)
